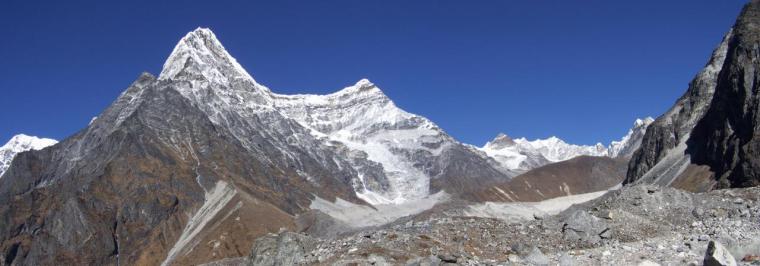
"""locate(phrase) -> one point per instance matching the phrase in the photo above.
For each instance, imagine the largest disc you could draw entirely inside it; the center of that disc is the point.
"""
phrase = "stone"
(286, 248)
(584, 227)
(565, 260)
(606, 234)
(536, 257)
(447, 258)
(698, 213)
(606, 215)
(520, 248)
(717, 255)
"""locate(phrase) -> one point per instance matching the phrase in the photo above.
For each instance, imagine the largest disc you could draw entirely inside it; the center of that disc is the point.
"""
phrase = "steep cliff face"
(728, 137)
(662, 157)
(707, 139)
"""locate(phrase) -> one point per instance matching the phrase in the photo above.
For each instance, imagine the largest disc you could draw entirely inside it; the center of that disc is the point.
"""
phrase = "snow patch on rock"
(216, 200)
(21, 143)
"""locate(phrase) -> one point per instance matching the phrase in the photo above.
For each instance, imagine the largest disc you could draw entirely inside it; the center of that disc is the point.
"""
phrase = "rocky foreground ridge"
(638, 225)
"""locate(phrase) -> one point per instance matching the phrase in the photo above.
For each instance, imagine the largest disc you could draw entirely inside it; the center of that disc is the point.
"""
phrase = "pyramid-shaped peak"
(500, 141)
(200, 52)
(502, 136)
(364, 83)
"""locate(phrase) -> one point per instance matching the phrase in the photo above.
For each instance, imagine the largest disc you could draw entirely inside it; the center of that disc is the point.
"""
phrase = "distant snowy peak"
(21, 143)
(555, 149)
(631, 141)
(522, 154)
(501, 141)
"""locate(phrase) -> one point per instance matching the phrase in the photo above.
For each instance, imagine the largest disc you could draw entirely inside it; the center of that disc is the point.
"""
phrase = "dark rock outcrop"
(728, 137)
(707, 139)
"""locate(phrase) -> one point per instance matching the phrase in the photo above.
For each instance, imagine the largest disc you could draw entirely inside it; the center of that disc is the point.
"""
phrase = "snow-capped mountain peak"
(555, 149)
(501, 141)
(640, 122)
(201, 53)
(364, 83)
(631, 141)
(21, 143)
(394, 154)
(522, 154)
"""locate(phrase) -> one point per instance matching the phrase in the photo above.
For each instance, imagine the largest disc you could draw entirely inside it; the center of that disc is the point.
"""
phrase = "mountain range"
(217, 146)
(194, 165)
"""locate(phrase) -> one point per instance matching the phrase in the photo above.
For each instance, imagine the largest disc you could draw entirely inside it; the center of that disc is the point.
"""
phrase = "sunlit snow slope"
(20, 143)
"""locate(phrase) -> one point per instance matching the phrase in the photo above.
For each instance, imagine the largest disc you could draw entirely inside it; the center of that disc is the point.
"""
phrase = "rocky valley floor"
(640, 225)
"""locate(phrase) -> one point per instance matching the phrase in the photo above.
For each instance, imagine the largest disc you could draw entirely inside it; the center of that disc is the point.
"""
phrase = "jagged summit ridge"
(522, 154)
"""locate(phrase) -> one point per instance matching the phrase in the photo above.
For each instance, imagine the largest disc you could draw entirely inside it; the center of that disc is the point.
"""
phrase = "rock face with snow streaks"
(707, 139)
(410, 153)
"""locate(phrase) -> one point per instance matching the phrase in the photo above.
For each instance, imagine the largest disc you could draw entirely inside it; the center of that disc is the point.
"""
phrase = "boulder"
(286, 248)
(536, 257)
(717, 255)
(584, 227)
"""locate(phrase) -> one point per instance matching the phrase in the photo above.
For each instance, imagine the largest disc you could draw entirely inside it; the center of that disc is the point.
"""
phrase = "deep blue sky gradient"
(580, 70)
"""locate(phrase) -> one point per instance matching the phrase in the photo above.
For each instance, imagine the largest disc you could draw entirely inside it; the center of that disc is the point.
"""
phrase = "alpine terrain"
(202, 165)
(178, 160)
(20, 143)
(707, 139)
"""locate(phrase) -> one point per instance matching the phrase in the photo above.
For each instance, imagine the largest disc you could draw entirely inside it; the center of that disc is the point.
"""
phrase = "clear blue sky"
(581, 70)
